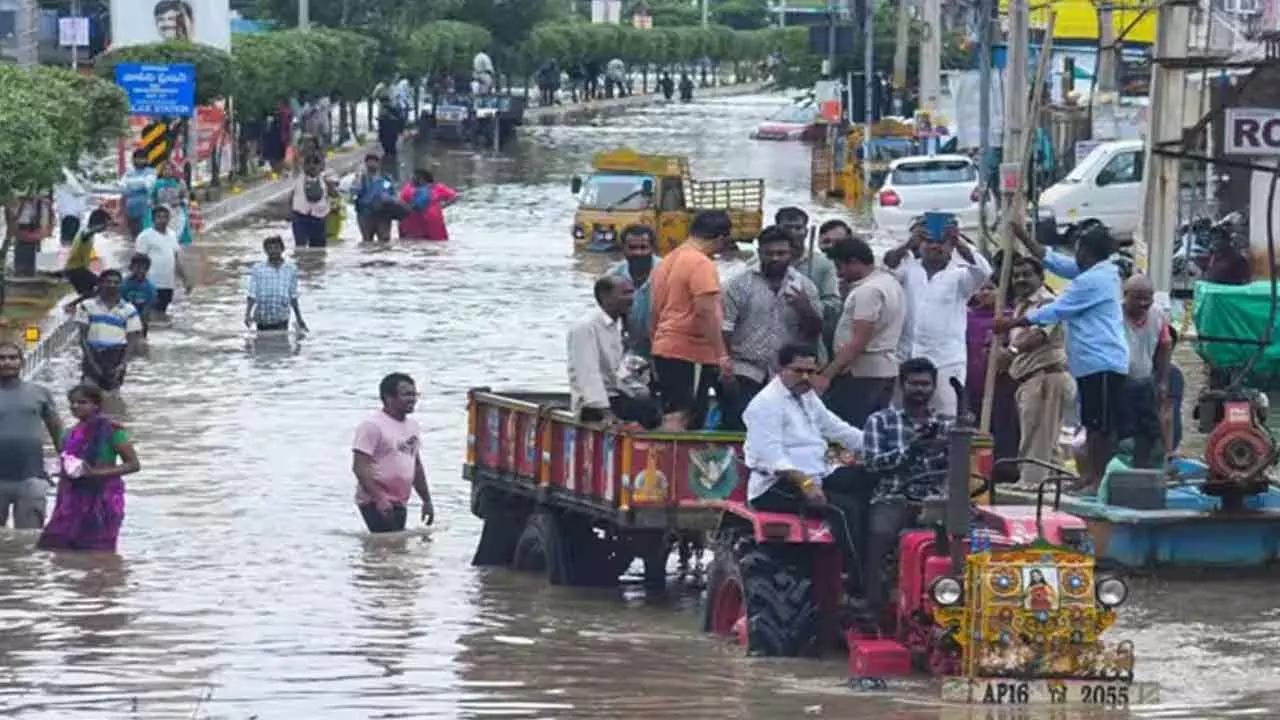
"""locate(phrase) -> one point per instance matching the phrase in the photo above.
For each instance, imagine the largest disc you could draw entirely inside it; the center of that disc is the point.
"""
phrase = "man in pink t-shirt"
(386, 459)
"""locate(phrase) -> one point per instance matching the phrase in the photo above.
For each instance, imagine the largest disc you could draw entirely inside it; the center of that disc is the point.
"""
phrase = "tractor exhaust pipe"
(959, 469)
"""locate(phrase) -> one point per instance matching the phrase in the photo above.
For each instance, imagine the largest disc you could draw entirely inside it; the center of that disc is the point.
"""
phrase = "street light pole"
(705, 21)
(304, 14)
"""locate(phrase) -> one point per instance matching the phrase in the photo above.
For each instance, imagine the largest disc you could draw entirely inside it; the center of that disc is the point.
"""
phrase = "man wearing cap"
(939, 272)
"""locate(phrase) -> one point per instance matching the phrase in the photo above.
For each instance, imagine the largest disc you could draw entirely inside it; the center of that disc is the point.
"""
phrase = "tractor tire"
(541, 548)
(782, 614)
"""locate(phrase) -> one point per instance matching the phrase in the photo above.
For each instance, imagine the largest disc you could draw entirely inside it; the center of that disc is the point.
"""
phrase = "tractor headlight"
(1111, 591)
(946, 591)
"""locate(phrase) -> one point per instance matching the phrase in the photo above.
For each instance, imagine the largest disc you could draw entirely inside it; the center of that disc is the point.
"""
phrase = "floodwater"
(246, 587)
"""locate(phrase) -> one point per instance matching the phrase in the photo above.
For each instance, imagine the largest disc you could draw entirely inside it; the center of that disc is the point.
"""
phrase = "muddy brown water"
(245, 585)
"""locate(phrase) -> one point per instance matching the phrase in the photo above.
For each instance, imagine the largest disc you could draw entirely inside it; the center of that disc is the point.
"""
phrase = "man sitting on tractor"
(907, 448)
(788, 433)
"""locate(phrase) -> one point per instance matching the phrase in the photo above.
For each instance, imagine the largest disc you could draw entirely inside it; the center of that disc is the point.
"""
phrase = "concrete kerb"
(57, 328)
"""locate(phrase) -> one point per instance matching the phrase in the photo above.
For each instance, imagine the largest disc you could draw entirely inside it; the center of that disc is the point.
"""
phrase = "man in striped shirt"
(110, 330)
(273, 290)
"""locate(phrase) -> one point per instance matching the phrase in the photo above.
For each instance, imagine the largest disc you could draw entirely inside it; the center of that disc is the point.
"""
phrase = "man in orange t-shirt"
(689, 352)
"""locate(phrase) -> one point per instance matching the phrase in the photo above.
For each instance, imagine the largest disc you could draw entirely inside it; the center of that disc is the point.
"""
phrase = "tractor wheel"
(541, 548)
(498, 538)
(781, 613)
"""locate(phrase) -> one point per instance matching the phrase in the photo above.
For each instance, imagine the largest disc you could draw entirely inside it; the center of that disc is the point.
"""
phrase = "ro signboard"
(1251, 131)
(158, 90)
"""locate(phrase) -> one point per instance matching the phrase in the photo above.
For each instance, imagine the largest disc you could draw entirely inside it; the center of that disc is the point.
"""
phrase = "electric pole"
(705, 20)
(27, 52)
(1107, 49)
(901, 46)
(304, 14)
(930, 55)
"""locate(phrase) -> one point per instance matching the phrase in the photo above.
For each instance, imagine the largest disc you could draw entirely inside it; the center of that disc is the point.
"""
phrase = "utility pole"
(705, 20)
(304, 14)
(829, 65)
(869, 64)
(930, 54)
(1108, 51)
(1160, 182)
(1015, 89)
(984, 106)
(901, 46)
(28, 31)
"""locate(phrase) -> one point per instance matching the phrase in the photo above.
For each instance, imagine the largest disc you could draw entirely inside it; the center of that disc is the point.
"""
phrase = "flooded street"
(247, 586)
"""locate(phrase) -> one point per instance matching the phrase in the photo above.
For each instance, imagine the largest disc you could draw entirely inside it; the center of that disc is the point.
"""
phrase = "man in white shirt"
(938, 285)
(788, 434)
(160, 245)
(71, 202)
(595, 360)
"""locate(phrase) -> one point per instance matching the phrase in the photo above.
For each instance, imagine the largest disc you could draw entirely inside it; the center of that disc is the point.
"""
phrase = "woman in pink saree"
(96, 456)
(426, 200)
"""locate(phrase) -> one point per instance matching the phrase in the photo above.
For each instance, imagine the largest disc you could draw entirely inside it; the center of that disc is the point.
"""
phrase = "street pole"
(869, 65)
(1160, 183)
(75, 48)
(705, 21)
(930, 55)
(901, 46)
(1106, 67)
(829, 70)
(304, 14)
(984, 109)
(28, 50)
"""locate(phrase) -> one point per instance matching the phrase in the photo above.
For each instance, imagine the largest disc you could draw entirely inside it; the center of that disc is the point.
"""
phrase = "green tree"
(742, 14)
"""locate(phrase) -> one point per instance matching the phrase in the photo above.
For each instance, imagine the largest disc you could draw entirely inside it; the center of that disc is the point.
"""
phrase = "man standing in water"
(273, 290)
(110, 331)
(386, 459)
(160, 245)
(27, 413)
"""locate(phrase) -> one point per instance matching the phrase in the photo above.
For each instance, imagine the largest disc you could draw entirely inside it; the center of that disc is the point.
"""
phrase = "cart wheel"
(541, 548)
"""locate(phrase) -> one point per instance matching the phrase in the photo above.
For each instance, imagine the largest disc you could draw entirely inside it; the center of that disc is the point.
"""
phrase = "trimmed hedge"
(571, 43)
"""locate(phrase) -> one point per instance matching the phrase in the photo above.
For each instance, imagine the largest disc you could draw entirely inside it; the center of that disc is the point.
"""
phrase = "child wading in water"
(96, 455)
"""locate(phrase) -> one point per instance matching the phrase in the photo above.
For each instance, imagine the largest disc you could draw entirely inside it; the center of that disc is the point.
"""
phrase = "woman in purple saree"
(90, 504)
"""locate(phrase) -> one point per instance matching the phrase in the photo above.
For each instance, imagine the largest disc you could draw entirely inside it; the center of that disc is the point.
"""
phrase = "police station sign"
(1252, 131)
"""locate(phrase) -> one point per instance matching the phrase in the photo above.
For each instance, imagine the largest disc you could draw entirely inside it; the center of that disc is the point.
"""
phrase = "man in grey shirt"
(27, 413)
(818, 268)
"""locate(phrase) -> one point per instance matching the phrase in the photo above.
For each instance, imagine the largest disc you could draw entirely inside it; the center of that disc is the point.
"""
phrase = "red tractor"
(774, 584)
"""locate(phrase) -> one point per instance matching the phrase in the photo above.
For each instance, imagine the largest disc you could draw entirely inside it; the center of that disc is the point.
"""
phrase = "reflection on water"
(247, 586)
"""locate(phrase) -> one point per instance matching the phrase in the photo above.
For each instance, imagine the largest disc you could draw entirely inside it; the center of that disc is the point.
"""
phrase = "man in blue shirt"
(137, 290)
(1097, 351)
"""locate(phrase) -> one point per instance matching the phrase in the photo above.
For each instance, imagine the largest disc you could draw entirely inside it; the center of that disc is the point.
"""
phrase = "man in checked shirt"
(906, 446)
(273, 290)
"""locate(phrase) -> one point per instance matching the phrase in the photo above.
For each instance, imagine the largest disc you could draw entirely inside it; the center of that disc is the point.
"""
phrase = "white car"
(919, 184)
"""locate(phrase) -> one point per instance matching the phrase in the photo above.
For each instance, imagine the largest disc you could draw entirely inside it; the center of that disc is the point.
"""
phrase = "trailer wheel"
(777, 601)
(541, 548)
(498, 538)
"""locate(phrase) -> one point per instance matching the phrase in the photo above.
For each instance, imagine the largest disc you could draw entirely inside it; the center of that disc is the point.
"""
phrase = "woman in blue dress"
(171, 192)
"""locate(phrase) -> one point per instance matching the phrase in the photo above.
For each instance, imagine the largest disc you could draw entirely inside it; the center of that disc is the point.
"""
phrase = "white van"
(1105, 186)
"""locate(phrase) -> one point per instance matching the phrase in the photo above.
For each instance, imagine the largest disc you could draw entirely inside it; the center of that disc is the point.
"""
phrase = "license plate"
(452, 115)
(1098, 693)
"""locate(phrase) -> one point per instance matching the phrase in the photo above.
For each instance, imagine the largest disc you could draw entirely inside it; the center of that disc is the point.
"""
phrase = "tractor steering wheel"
(981, 489)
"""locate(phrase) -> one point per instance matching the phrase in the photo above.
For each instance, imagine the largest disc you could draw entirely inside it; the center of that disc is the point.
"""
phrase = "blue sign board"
(158, 90)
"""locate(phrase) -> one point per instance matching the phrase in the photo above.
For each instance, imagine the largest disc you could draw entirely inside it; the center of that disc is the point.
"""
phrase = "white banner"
(1251, 131)
(136, 22)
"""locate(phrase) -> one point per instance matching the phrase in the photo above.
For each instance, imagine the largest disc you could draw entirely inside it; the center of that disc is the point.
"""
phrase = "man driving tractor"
(904, 448)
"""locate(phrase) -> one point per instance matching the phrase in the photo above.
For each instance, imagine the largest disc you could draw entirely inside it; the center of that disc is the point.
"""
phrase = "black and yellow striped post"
(157, 142)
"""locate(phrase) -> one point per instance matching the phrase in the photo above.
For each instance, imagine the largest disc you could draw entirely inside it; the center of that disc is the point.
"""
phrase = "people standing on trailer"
(1097, 351)
(374, 195)
(110, 332)
(426, 200)
(906, 447)
(135, 195)
(814, 266)
(765, 308)
(788, 433)
(387, 459)
(27, 415)
(861, 377)
(596, 360)
(1037, 362)
(161, 246)
(1147, 419)
(311, 203)
(273, 290)
(171, 192)
(138, 290)
(98, 453)
(639, 259)
(938, 285)
(687, 321)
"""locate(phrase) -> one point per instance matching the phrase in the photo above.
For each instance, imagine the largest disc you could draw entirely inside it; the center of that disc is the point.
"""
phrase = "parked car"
(1106, 186)
(793, 122)
(928, 183)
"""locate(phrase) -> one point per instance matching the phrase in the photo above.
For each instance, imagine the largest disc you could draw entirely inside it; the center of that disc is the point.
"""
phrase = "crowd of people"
(670, 333)
(802, 350)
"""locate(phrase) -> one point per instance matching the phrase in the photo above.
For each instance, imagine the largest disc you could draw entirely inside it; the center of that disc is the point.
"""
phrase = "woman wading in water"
(96, 456)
